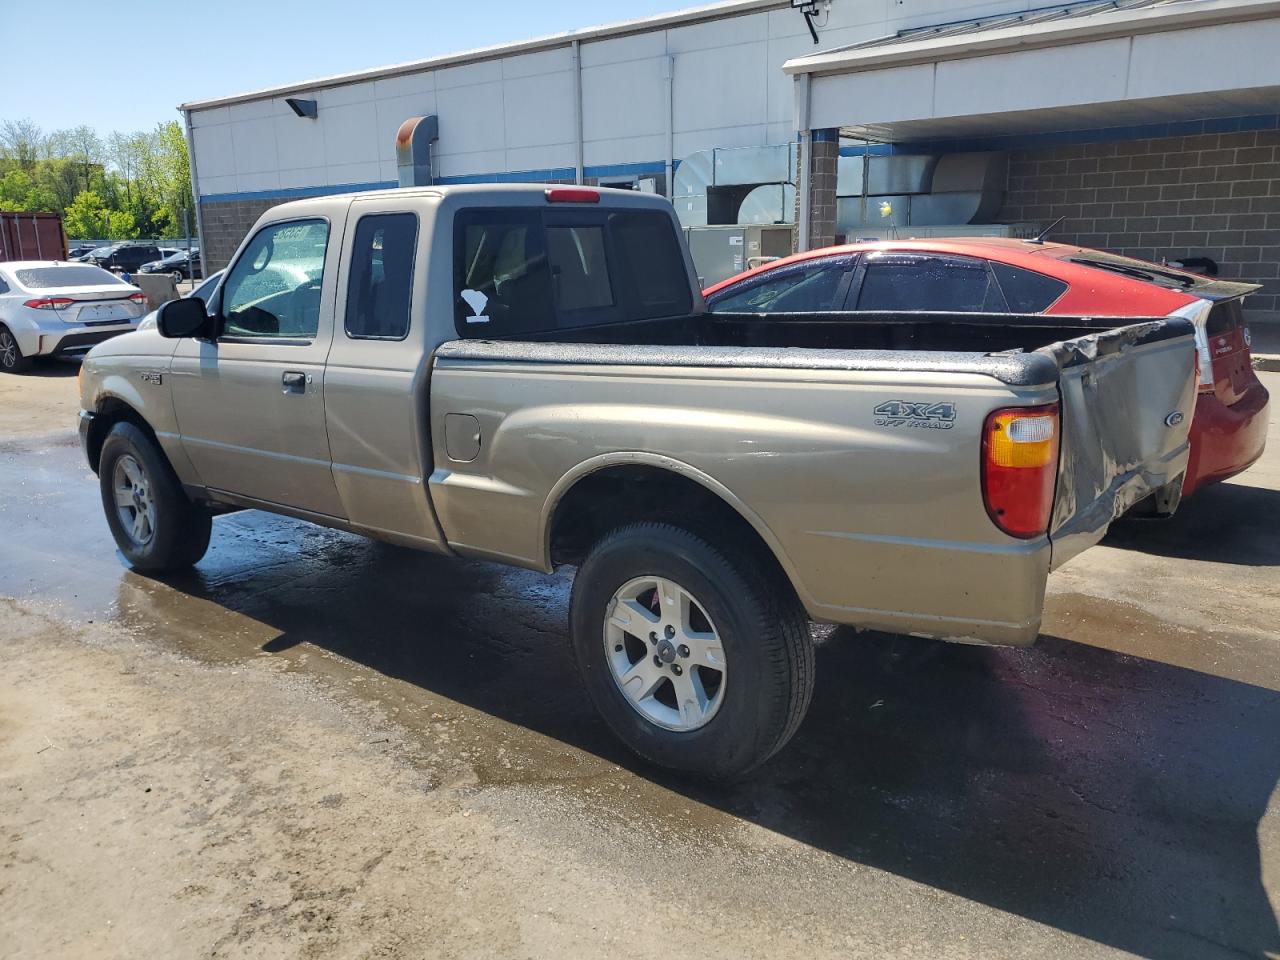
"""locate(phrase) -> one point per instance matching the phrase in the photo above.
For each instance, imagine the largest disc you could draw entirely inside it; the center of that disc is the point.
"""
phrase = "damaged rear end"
(1127, 399)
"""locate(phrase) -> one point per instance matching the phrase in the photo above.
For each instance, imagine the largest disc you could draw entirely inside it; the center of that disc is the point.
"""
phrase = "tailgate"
(1128, 395)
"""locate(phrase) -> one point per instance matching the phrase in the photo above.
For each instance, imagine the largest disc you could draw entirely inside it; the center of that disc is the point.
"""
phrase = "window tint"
(948, 284)
(70, 275)
(521, 271)
(579, 267)
(381, 278)
(1025, 290)
(274, 288)
(651, 252)
(806, 288)
(501, 276)
(4, 287)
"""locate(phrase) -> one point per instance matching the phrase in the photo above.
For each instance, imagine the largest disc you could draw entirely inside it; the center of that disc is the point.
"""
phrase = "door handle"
(294, 382)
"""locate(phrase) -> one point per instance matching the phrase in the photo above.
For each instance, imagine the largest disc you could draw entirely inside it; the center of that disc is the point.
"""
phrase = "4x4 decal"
(936, 415)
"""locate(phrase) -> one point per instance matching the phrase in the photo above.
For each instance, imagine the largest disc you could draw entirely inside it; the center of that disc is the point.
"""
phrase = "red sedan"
(1229, 429)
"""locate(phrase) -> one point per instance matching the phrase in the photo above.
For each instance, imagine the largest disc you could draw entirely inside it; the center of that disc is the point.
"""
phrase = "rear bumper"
(1226, 440)
(79, 340)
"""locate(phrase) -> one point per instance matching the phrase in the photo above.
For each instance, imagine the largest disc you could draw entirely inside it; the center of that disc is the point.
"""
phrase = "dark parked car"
(177, 262)
(126, 257)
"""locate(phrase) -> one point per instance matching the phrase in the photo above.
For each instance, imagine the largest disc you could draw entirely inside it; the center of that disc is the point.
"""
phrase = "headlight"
(148, 322)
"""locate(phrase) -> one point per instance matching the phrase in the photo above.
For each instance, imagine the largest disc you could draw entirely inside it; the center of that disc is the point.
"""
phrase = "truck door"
(250, 405)
(375, 381)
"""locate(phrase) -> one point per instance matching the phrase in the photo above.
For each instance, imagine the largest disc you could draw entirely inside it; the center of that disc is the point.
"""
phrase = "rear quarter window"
(1025, 290)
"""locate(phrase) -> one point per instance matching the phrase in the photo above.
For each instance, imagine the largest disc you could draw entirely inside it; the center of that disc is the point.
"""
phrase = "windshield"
(70, 275)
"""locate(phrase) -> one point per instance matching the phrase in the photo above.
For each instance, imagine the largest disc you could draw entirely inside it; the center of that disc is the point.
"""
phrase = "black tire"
(760, 624)
(181, 530)
(11, 358)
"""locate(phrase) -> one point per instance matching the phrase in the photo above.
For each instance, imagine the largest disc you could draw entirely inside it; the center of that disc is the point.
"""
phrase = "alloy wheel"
(665, 654)
(134, 503)
(8, 350)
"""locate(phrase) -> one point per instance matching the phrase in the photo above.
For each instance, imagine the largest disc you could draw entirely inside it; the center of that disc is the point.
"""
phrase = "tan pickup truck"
(527, 375)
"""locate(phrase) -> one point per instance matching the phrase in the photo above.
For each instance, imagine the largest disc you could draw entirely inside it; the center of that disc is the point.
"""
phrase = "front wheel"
(155, 525)
(699, 659)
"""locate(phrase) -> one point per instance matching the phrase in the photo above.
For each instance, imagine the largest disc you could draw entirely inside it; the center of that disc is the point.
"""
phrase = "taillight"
(138, 297)
(572, 195)
(1020, 467)
(49, 303)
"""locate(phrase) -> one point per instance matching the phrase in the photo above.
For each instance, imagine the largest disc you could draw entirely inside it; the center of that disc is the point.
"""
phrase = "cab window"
(380, 284)
(534, 270)
(273, 291)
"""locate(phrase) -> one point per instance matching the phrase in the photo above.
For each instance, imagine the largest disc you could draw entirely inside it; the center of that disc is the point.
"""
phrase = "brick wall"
(824, 158)
(1209, 195)
(224, 224)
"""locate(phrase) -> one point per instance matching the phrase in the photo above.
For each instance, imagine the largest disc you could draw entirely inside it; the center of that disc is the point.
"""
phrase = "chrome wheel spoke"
(641, 680)
(691, 699)
(132, 494)
(665, 654)
(634, 618)
(704, 650)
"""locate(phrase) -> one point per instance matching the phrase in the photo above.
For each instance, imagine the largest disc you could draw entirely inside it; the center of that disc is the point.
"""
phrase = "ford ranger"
(528, 375)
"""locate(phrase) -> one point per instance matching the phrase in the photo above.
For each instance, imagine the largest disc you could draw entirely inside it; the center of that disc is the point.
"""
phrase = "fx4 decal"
(913, 413)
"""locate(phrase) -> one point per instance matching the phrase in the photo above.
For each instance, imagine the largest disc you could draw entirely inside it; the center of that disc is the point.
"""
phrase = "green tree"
(22, 141)
(130, 184)
(19, 191)
(89, 216)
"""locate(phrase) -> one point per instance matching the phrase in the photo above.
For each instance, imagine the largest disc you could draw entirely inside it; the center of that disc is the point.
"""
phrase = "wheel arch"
(647, 486)
(108, 411)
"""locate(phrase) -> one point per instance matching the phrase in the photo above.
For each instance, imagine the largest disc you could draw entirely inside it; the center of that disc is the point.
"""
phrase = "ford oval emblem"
(1173, 419)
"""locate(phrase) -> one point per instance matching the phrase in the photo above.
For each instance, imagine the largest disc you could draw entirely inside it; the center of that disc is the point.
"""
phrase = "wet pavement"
(1117, 782)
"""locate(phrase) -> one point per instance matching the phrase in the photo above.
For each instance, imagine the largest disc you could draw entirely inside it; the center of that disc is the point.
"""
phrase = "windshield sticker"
(913, 413)
(477, 301)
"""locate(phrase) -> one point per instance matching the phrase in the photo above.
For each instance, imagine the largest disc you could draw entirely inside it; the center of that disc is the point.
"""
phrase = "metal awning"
(1083, 65)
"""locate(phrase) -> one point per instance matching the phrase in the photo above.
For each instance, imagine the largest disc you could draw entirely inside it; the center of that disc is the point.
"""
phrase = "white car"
(51, 308)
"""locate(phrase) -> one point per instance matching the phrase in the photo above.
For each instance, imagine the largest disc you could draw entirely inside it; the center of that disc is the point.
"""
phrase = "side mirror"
(186, 317)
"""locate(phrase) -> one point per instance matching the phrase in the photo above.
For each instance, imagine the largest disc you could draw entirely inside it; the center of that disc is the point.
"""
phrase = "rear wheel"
(699, 659)
(155, 525)
(11, 358)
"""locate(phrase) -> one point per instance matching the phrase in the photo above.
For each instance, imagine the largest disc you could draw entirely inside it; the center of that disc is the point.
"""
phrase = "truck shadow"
(1110, 796)
(1222, 523)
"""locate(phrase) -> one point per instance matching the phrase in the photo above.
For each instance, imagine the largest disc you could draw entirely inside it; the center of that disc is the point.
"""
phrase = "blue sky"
(126, 67)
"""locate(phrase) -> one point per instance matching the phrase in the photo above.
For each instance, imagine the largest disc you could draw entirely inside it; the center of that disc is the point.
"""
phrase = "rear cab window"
(525, 270)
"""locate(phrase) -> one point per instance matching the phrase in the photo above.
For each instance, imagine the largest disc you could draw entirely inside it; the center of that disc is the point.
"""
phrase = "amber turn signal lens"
(1020, 468)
